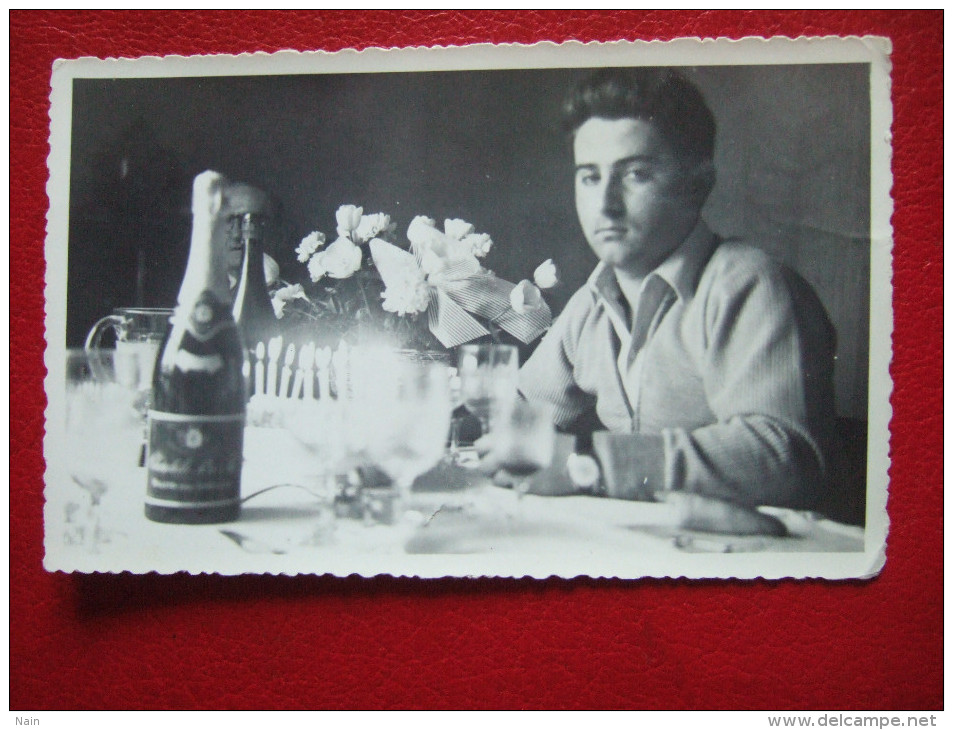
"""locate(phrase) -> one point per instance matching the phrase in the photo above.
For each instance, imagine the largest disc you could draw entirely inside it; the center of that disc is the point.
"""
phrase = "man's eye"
(638, 175)
(587, 177)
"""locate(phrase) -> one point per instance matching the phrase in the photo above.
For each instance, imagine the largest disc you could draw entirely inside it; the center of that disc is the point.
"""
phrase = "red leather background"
(188, 642)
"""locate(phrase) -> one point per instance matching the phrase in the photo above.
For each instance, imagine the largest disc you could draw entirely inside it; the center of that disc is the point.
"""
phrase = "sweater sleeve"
(548, 374)
(767, 367)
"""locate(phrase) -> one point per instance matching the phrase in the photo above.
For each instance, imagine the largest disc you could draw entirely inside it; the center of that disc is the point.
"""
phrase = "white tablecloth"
(460, 531)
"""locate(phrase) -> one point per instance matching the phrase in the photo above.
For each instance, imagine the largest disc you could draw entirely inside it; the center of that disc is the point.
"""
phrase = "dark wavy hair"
(660, 96)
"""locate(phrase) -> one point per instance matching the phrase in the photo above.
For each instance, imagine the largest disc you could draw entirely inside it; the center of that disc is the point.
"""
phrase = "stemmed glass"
(318, 426)
(489, 376)
(102, 439)
(404, 413)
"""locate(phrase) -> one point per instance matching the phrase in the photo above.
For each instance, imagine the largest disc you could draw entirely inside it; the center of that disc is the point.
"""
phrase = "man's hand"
(510, 466)
(511, 463)
(633, 468)
(709, 514)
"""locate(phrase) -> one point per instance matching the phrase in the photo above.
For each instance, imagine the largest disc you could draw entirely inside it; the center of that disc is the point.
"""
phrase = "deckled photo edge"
(872, 50)
(488, 56)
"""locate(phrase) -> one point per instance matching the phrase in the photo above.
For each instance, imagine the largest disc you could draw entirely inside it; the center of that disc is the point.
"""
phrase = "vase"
(446, 357)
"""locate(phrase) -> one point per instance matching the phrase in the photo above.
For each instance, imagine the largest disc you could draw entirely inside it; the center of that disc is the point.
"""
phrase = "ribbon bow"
(458, 289)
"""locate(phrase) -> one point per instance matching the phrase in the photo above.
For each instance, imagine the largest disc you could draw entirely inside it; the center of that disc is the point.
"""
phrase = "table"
(470, 528)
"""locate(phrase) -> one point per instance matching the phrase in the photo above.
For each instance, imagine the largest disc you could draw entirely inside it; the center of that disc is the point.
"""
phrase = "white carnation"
(479, 244)
(456, 228)
(309, 244)
(292, 291)
(408, 294)
(372, 226)
(285, 294)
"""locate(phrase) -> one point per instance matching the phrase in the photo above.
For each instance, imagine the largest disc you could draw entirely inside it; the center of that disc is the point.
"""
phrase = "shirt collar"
(681, 270)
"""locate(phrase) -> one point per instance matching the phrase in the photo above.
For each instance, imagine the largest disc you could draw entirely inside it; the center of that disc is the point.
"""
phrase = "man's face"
(242, 198)
(633, 196)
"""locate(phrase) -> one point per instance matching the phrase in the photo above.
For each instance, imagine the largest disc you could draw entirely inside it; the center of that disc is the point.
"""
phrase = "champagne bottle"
(196, 424)
(252, 309)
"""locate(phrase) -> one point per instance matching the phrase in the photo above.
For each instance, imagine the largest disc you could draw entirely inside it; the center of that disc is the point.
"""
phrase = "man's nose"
(612, 203)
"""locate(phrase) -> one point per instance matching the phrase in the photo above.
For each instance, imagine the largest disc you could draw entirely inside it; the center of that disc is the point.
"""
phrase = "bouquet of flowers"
(432, 292)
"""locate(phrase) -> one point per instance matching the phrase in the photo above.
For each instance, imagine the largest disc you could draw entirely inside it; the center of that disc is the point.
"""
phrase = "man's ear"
(702, 181)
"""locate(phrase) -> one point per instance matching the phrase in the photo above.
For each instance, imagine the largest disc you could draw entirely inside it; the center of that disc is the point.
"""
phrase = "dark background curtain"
(793, 159)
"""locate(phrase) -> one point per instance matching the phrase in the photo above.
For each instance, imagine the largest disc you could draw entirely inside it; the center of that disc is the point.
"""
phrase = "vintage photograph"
(611, 310)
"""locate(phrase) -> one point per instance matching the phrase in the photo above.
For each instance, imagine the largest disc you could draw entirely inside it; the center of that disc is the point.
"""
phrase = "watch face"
(583, 470)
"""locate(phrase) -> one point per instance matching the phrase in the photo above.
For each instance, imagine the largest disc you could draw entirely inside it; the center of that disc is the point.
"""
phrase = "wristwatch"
(585, 474)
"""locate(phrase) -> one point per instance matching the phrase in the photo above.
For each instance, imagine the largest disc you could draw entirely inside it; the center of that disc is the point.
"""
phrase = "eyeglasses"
(233, 226)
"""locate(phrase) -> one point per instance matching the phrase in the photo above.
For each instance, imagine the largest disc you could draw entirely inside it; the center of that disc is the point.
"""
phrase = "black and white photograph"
(610, 310)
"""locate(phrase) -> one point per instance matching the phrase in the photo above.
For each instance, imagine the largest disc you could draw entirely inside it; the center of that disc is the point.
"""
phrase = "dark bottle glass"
(252, 309)
(196, 424)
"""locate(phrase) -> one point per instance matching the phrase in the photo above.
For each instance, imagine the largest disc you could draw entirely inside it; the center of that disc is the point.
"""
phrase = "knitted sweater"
(720, 382)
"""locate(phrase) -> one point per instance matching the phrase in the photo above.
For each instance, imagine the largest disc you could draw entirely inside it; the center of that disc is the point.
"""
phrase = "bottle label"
(194, 461)
(208, 317)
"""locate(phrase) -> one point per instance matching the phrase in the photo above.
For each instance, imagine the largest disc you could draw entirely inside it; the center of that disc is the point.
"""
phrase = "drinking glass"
(523, 440)
(102, 440)
(318, 426)
(489, 376)
(405, 416)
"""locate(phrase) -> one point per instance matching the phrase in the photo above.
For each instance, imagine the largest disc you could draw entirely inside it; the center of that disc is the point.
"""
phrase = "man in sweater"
(709, 365)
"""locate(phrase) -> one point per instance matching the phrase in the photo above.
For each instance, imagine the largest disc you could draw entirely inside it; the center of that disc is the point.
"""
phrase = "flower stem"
(360, 286)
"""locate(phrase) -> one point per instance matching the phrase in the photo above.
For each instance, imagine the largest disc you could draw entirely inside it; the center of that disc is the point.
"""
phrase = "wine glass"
(406, 419)
(103, 435)
(489, 376)
(318, 427)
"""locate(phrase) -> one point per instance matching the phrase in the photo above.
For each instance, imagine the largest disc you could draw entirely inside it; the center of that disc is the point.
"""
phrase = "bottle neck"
(206, 268)
(252, 289)
(252, 227)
